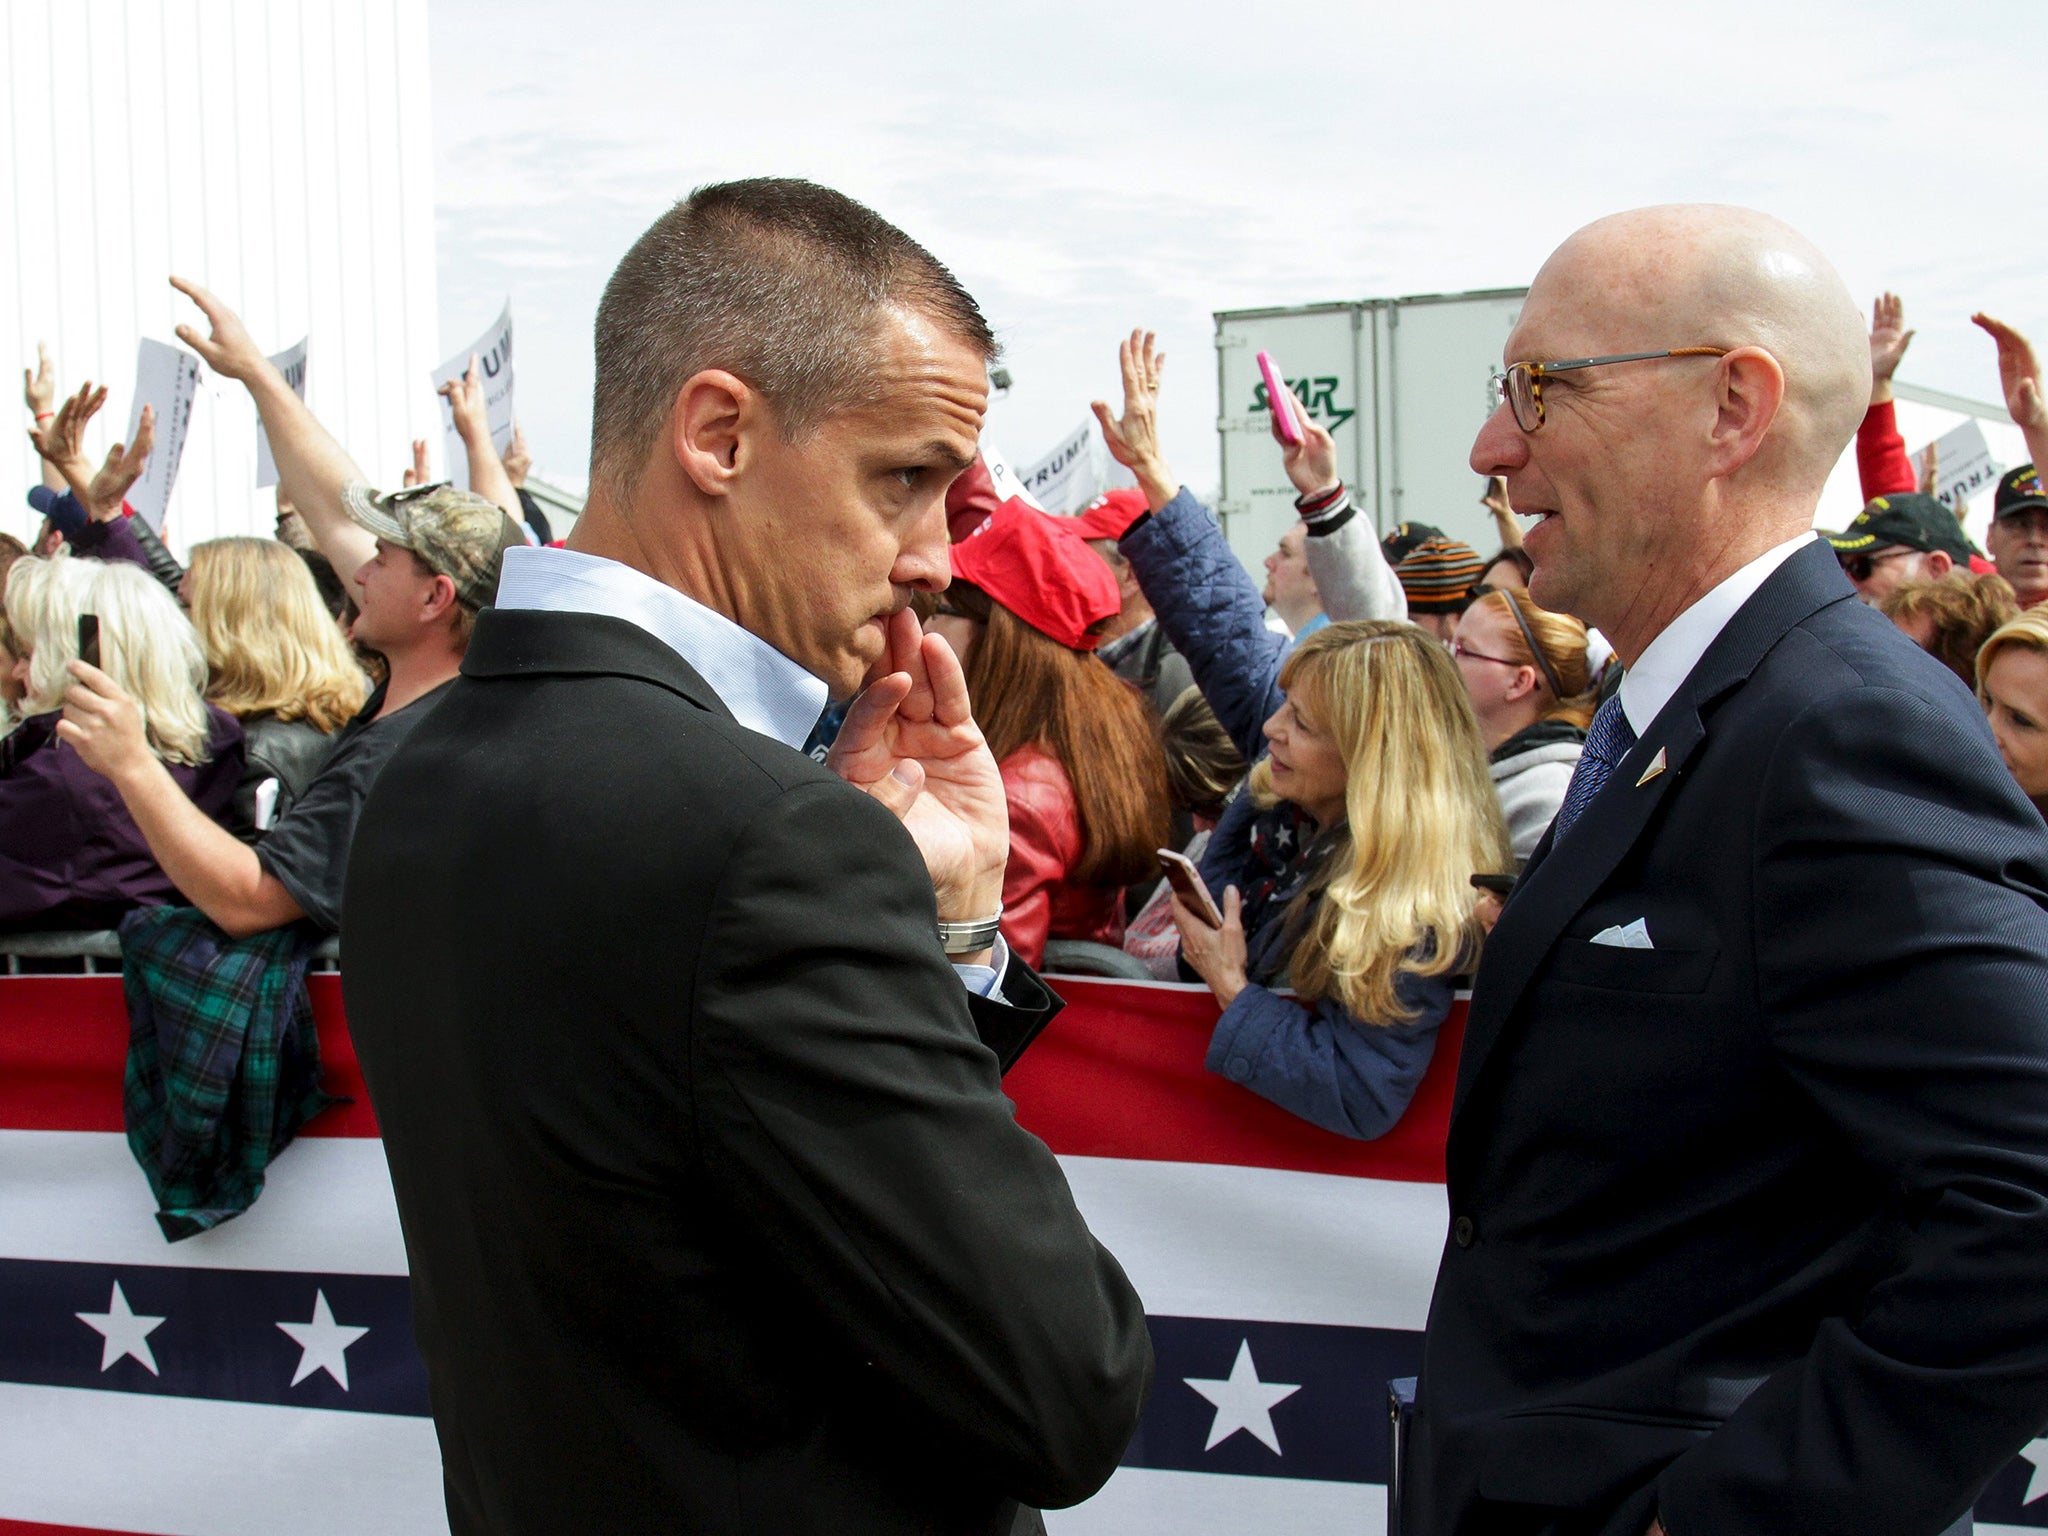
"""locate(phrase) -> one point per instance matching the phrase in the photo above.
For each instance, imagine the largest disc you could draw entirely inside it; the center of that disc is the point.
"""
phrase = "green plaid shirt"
(223, 1059)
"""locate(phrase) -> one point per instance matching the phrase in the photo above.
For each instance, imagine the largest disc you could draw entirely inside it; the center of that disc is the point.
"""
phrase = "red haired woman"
(1078, 748)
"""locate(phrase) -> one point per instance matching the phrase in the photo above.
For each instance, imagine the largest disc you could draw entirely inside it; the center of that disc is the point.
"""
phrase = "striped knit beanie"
(1438, 574)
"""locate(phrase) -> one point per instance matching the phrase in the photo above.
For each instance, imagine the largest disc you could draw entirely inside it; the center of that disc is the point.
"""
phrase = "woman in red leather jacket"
(1078, 748)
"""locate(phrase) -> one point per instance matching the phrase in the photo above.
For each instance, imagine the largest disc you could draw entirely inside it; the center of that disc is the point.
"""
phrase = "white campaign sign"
(166, 377)
(1071, 476)
(493, 354)
(1963, 464)
(1007, 481)
(291, 362)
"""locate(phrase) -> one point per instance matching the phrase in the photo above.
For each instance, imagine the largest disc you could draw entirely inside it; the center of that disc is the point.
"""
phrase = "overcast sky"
(1088, 167)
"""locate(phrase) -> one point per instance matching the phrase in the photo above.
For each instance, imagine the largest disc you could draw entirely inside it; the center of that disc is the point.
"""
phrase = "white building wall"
(278, 152)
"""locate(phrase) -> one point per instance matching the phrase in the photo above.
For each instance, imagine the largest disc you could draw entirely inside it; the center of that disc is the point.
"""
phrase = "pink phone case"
(1278, 400)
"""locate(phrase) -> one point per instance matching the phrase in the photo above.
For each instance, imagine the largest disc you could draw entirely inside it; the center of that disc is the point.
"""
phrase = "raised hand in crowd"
(421, 471)
(62, 446)
(518, 461)
(1496, 502)
(39, 394)
(109, 486)
(1133, 437)
(312, 467)
(60, 439)
(910, 741)
(1311, 464)
(2019, 374)
(465, 397)
(1930, 468)
(1889, 339)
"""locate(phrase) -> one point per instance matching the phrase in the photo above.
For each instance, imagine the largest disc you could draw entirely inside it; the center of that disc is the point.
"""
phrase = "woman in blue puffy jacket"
(1343, 867)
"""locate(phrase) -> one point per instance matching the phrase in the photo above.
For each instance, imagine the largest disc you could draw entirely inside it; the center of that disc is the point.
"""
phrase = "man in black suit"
(1748, 1165)
(717, 1217)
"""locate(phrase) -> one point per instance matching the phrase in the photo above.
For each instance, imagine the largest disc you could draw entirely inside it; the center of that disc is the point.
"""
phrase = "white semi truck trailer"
(1402, 384)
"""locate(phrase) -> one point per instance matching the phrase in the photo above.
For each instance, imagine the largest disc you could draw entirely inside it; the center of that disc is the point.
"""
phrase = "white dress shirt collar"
(1669, 659)
(764, 689)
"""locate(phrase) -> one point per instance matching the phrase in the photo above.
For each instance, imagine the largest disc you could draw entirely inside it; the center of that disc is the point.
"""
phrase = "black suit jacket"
(1752, 1227)
(717, 1217)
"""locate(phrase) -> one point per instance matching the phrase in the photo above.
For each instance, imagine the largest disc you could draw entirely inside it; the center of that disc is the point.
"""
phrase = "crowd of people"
(1341, 750)
(823, 748)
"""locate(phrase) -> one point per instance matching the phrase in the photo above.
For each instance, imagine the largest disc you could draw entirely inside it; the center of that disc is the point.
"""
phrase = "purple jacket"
(70, 854)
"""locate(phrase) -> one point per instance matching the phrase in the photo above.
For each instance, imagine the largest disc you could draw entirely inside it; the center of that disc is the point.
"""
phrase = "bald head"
(1704, 274)
(1655, 480)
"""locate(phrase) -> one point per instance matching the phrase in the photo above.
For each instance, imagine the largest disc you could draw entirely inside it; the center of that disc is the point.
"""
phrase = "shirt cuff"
(981, 980)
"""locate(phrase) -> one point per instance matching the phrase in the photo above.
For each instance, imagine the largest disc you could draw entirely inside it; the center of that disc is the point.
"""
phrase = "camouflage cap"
(455, 533)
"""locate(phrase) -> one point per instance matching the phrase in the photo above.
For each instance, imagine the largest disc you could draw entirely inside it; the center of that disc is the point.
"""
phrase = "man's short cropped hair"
(782, 283)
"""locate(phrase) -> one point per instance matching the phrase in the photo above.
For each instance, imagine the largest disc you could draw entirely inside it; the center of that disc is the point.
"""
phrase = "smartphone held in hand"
(1279, 401)
(1187, 884)
(89, 639)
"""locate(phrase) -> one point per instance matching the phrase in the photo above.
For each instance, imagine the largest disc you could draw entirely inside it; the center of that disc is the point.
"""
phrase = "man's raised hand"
(229, 351)
(2019, 374)
(910, 741)
(465, 397)
(1889, 339)
(518, 460)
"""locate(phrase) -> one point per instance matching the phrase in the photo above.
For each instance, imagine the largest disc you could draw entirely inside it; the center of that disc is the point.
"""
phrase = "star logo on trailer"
(123, 1334)
(1243, 1401)
(323, 1343)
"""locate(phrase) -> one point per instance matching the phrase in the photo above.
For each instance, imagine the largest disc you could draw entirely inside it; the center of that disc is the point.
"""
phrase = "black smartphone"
(1500, 885)
(89, 639)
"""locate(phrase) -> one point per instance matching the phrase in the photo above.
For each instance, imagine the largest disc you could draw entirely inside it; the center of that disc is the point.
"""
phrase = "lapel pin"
(1656, 767)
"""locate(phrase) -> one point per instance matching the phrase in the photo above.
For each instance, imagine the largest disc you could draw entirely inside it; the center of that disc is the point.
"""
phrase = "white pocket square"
(1635, 936)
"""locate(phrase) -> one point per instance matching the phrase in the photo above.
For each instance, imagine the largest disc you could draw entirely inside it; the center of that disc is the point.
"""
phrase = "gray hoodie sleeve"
(1351, 573)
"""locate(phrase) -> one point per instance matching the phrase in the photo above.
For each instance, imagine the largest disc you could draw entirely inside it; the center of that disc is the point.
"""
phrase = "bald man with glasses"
(1748, 1165)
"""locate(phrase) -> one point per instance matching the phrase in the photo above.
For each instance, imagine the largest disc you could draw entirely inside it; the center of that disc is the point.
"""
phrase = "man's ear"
(1940, 562)
(715, 413)
(440, 600)
(1751, 388)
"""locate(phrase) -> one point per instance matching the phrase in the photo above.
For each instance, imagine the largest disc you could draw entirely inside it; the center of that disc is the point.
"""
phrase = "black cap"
(2020, 489)
(1402, 541)
(1910, 519)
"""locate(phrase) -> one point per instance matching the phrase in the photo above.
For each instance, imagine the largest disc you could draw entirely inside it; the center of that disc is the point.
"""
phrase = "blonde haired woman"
(277, 662)
(1345, 871)
(70, 854)
(1526, 671)
(2012, 684)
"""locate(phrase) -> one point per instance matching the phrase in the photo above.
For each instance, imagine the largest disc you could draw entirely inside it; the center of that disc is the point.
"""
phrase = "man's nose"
(925, 561)
(1501, 446)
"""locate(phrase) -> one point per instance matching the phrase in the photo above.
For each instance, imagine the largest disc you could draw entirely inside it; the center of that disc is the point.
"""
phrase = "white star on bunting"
(2037, 1485)
(1242, 1401)
(122, 1333)
(323, 1343)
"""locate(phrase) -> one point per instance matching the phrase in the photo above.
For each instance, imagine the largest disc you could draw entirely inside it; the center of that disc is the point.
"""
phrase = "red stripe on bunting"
(29, 1528)
(1118, 1074)
(64, 1040)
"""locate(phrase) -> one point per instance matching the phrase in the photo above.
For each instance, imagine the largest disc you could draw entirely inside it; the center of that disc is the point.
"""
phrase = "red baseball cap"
(969, 499)
(1110, 515)
(1036, 567)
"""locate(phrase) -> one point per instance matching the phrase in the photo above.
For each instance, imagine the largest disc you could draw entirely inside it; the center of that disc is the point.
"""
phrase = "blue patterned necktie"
(1607, 743)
